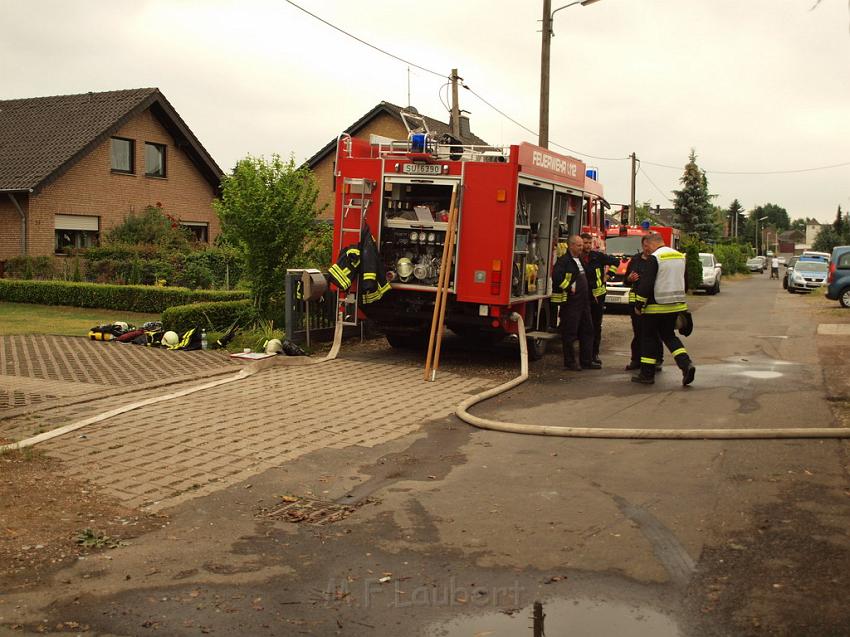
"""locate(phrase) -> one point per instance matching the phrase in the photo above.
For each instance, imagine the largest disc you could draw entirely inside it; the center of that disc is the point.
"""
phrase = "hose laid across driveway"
(619, 433)
(247, 371)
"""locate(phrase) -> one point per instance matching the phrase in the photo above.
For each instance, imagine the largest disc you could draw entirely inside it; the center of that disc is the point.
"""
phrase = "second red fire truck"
(624, 241)
(515, 206)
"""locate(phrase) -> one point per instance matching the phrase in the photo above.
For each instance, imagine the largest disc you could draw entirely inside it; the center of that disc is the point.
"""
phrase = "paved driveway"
(161, 454)
(45, 371)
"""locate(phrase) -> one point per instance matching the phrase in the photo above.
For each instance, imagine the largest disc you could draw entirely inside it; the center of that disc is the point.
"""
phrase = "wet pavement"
(457, 531)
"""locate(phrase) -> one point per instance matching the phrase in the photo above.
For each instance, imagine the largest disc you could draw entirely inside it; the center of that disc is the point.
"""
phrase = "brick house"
(74, 166)
(384, 120)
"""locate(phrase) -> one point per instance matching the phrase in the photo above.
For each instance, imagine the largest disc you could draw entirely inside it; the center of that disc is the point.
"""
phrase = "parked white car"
(711, 273)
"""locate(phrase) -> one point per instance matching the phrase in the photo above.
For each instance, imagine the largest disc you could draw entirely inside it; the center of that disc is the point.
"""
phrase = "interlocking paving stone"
(38, 369)
(187, 446)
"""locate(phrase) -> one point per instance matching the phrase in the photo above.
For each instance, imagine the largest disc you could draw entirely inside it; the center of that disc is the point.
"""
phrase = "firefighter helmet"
(170, 338)
(274, 346)
(404, 267)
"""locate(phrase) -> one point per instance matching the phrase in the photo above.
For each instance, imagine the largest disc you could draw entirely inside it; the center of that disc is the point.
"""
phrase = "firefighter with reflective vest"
(572, 294)
(659, 300)
(636, 269)
(597, 265)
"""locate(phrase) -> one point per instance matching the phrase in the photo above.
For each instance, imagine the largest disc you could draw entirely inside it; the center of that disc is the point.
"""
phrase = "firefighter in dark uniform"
(659, 299)
(637, 266)
(570, 283)
(596, 265)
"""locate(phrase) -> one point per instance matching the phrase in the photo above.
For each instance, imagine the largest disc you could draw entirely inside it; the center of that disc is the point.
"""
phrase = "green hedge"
(130, 298)
(211, 316)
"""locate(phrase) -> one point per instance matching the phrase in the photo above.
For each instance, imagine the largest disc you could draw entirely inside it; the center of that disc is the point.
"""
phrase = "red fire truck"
(515, 205)
(624, 241)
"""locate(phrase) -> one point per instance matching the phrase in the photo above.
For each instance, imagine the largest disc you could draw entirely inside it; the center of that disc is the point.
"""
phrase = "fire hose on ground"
(623, 433)
(246, 372)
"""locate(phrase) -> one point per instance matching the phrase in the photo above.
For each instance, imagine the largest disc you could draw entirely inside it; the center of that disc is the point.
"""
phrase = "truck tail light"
(831, 277)
(496, 276)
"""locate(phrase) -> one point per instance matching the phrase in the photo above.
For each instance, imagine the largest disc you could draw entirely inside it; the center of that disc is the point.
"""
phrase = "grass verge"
(26, 318)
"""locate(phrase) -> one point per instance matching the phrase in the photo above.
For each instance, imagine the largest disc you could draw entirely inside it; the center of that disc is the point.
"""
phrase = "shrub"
(692, 246)
(130, 298)
(151, 226)
(733, 257)
(30, 268)
(211, 316)
(195, 268)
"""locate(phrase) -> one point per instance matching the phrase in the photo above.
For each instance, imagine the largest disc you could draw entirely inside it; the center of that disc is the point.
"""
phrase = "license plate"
(613, 298)
(422, 169)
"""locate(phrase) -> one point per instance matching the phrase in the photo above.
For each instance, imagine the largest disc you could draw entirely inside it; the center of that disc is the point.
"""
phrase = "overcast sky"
(752, 85)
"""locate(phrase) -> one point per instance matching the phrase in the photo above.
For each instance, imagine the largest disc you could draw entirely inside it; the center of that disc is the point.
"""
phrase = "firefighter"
(569, 279)
(637, 266)
(659, 299)
(596, 265)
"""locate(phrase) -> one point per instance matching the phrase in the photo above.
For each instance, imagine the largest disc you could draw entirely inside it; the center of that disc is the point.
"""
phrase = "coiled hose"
(621, 433)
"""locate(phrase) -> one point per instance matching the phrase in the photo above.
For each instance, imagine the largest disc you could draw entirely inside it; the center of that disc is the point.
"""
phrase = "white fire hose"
(245, 372)
(604, 432)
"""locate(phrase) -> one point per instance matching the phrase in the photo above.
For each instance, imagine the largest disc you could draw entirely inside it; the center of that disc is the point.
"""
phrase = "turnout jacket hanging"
(360, 262)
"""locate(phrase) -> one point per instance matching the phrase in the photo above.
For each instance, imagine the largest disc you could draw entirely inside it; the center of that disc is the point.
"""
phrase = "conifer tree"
(693, 202)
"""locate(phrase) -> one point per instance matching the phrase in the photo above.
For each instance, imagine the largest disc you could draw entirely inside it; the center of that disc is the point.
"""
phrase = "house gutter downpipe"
(23, 223)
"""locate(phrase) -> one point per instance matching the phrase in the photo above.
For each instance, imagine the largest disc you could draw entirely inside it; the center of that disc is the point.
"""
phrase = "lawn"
(25, 318)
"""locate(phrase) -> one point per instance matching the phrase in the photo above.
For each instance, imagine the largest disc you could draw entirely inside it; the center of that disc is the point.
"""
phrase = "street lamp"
(548, 16)
(757, 232)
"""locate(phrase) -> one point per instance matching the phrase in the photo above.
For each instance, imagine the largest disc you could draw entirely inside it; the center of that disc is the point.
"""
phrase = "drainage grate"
(310, 510)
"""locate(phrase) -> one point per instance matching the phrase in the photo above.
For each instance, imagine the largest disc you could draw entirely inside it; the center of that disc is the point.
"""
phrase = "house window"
(200, 230)
(122, 155)
(75, 231)
(154, 160)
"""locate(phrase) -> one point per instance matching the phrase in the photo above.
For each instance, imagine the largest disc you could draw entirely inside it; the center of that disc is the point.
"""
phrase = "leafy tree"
(777, 216)
(737, 220)
(799, 224)
(827, 239)
(693, 202)
(318, 252)
(267, 210)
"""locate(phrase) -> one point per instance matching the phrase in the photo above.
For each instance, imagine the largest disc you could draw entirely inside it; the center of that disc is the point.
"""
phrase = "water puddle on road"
(567, 617)
(761, 375)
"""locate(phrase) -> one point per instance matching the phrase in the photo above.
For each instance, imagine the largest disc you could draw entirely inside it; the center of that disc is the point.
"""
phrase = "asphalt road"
(467, 528)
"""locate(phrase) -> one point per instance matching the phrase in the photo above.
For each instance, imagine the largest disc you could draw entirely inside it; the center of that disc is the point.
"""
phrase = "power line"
(372, 46)
(535, 133)
(755, 172)
(649, 179)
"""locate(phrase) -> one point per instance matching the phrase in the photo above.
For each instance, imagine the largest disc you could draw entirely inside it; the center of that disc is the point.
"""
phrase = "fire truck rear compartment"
(415, 215)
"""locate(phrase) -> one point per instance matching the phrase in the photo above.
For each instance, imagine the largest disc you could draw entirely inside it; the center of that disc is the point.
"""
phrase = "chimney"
(464, 126)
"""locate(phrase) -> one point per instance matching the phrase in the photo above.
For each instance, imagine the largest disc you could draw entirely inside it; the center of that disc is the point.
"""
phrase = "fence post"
(289, 294)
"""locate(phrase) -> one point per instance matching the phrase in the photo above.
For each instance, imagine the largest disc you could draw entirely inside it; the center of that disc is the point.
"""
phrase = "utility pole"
(455, 107)
(632, 215)
(543, 135)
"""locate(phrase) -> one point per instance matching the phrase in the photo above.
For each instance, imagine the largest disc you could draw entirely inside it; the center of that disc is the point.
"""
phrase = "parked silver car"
(711, 273)
(756, 264)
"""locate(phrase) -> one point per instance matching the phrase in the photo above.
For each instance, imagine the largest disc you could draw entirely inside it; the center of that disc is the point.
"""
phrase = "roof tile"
(40, 135)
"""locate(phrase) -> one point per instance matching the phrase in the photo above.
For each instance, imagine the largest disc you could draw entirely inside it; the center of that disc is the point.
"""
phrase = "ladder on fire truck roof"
(355, 200)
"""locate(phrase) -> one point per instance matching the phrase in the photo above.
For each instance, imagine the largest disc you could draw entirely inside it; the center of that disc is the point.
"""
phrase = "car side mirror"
(719, 265)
